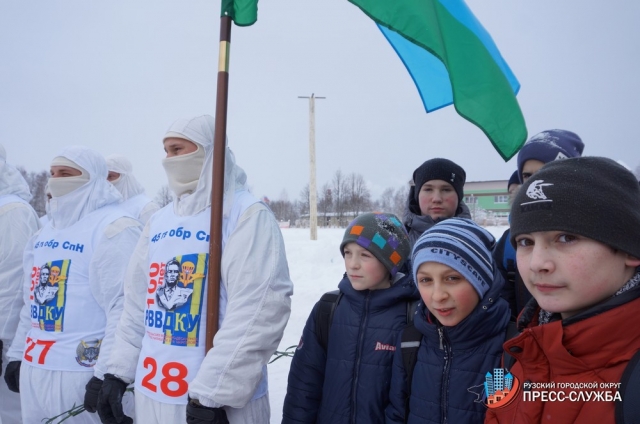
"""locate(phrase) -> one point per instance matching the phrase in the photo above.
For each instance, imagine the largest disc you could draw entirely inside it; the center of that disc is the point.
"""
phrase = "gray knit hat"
(383, 235)
(593, 197)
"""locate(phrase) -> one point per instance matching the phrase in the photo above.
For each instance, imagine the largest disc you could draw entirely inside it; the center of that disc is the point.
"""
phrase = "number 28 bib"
(173, 343)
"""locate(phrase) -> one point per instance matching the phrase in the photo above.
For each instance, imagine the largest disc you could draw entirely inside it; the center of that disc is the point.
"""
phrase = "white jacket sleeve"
(146, 212)
(19, 340)
(256, 277)
(130, 329)
(106, 276)
(18, 222)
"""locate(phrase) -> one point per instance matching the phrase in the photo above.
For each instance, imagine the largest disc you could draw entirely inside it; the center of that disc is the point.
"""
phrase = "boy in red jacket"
(576, 228)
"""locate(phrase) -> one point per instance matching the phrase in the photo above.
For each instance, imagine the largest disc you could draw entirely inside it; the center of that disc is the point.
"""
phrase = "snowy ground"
(315, 267)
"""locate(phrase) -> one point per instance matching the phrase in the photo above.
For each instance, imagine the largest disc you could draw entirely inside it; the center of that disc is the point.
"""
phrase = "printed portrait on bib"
(179, 299)
(45, 290)
(178, 285)
(49, 284)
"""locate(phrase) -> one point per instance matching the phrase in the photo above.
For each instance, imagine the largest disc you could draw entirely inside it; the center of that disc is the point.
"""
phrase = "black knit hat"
(440, 169)
(593, 197)
(383, 235)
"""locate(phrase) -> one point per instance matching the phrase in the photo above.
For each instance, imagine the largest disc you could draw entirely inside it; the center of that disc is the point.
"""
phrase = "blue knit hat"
(548, 146)
(514, 179)
(460, 244)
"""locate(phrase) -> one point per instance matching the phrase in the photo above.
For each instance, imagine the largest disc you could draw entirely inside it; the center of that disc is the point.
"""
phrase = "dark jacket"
(514, 291)
(593, 346)
(447, 383)
(349, 383)
(416, 224)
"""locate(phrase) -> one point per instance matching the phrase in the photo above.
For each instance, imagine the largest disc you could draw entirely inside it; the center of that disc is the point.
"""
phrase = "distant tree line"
(344, 197)
(37, 184)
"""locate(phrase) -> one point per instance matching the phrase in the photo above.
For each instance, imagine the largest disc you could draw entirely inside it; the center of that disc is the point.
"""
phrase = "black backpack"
(326, 308)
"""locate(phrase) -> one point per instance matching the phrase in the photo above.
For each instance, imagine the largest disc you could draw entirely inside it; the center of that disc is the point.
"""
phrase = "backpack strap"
(504, 253)
(512, 270)
(412, 305)
(410, 344)
(324, 316)
(628, 411)
(512, 332)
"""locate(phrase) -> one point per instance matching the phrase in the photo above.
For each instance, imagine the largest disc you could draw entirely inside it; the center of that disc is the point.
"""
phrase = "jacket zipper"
(363, 326)
(444, 395)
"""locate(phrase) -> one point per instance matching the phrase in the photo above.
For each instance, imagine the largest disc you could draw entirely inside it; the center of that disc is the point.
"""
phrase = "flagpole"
(217, 186)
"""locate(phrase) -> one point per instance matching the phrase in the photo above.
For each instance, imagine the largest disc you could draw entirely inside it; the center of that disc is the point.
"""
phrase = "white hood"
(11, 180)
(127, 184)
(200, 130)
(98, 192)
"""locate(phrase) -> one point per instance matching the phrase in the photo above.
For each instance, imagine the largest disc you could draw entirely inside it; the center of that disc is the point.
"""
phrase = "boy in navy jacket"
(462, 320)
(349, 381)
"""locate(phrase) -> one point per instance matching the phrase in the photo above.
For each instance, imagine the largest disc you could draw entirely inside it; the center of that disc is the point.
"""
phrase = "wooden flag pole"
(217, 188)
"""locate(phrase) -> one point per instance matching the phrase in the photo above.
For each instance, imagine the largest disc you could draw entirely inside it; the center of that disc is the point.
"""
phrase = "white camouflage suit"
(46, 392)
(253, 313)
(18, 222)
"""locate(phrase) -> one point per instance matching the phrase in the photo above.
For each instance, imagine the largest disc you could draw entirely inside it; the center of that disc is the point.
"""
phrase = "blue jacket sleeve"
(395, 411)
(306, 377)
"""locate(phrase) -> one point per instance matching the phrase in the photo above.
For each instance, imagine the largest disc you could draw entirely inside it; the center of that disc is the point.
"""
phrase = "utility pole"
(313, 200)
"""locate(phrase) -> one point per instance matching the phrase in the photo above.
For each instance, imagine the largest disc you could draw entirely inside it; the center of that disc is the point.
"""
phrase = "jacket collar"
(402, 289)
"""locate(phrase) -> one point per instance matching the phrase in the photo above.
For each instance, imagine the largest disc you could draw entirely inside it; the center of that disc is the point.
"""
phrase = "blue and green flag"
(242, 12)
(452, 59)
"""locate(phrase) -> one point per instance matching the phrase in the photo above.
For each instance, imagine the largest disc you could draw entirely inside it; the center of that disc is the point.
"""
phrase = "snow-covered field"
(315, 267)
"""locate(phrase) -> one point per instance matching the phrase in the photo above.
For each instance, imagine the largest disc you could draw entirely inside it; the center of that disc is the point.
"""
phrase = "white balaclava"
(73, 200)
(126, 183)
(58, 187)
(11, 180)
(190, 199)
(183, 172)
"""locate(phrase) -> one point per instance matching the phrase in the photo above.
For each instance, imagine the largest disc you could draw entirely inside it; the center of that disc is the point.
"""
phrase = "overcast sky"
(114, 75)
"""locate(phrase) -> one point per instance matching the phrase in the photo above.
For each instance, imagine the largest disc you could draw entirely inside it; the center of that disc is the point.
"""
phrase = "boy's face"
(178, 146)
(112, 176)
(364, 270)
(567, 273)
(529, 168)
(437, 199)
(513, 190)
(64, 171)
(446, 293)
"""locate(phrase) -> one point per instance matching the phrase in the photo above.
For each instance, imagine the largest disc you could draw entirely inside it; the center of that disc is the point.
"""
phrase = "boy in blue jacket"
(462, 321)
(349, 381)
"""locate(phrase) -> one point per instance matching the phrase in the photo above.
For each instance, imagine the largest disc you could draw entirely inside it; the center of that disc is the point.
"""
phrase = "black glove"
(109, 405)
(91, 395)
(199, 414)
(12, 376)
